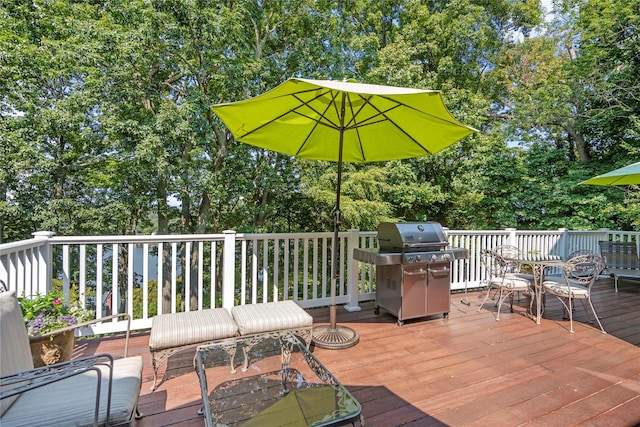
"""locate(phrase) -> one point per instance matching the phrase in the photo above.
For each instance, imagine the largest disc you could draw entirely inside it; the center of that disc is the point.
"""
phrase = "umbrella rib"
(318, 121)
(400, 104)
(433, 116)
(353, 124)
(321, 114)
(293, 111)
(357, 127)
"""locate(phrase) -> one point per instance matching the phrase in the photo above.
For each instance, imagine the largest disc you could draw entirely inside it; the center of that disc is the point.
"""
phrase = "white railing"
(232, 268)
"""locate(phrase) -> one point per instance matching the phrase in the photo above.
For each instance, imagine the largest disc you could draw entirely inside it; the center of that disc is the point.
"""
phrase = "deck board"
(465, 370)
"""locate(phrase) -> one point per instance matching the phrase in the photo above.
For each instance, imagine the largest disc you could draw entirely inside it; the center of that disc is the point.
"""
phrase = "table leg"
(538, 274)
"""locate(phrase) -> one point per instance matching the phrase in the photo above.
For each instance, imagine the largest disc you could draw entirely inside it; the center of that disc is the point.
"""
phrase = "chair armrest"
(38, 377)
(93, 322)
(25, 381)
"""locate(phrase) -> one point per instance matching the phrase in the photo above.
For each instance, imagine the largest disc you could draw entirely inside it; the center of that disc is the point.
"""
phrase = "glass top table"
(270, 379)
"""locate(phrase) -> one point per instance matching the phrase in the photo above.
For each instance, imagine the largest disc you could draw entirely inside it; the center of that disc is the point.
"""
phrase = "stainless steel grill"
(413, 269)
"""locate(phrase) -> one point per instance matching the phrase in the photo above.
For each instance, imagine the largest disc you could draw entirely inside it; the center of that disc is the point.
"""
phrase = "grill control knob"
(447, 257)
(434, 258)
(418, 258)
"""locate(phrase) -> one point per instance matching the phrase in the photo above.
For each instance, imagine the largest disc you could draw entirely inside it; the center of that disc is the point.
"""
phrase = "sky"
(546, 6)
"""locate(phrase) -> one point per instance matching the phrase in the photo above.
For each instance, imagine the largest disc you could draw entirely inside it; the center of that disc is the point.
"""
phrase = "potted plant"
(50, 325)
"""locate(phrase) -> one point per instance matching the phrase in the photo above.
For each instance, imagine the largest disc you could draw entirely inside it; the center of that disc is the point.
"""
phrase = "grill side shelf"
(372, 256)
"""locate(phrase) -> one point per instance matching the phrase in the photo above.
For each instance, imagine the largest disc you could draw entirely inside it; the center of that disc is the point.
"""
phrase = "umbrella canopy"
(304, 118)
(628, 175)
(343, 122)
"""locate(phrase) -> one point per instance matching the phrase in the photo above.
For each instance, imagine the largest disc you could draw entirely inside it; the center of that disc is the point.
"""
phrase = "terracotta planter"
(47, 350)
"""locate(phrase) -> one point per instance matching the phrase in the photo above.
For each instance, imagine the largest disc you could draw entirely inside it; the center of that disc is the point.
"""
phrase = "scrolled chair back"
(487, 259)
(583, 269)
(509, 254)
(494, 262)
(581, 252)
(508, 251)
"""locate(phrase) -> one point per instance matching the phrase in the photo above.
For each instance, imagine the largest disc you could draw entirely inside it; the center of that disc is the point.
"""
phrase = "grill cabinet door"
(438, 289)
(414, 292)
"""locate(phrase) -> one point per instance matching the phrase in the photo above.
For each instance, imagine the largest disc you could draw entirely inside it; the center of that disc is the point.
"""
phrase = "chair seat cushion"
(512, 281)
(71, 402)
(559, 287)
(270, 316)
(192, 327)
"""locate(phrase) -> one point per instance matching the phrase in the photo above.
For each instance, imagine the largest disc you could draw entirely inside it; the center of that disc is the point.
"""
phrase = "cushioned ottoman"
(274, 318)
(284, 316)
(174, 332)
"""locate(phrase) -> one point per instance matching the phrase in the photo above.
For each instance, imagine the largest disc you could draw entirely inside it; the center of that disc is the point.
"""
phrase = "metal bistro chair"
(501, 278)
(512, 253)
(579, 275)
(581, 252)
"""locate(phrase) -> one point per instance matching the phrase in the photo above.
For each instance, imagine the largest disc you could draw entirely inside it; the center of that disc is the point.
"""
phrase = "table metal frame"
(224, 351)
(538, 267)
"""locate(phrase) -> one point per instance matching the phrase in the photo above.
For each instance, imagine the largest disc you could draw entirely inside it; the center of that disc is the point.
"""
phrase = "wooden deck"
(467, 370)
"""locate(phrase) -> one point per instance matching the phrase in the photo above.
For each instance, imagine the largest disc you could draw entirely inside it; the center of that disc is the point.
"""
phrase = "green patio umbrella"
(627, 175)
(343, 122)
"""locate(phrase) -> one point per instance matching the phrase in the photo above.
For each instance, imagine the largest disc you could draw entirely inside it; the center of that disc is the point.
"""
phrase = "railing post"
(45, 263)
(512, 239)
(228, 269)
(563, 244)
(353, 241)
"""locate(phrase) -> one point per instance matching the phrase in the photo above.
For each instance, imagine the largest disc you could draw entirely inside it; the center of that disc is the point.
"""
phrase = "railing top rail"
(156, 238)
(271, 236)
(479, 232)
(22, 244)
(538, 232)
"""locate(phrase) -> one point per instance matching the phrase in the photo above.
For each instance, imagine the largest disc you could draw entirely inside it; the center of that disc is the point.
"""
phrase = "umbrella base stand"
(335, 338)
(332, 336)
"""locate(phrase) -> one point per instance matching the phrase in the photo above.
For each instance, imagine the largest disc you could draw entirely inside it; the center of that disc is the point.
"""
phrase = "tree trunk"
(163, 228)
(581, 146)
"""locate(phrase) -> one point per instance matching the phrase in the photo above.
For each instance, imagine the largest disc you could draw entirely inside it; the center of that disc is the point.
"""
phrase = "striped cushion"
(270, 316)
(15, 353)
(181, 329)
(71, 402)
(512, 281)
(562, 289)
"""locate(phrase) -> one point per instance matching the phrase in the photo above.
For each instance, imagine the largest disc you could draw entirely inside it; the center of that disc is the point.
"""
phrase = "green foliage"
(106, 125)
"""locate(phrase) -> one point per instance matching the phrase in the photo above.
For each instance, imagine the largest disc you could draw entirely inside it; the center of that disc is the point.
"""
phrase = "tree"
(106, 122)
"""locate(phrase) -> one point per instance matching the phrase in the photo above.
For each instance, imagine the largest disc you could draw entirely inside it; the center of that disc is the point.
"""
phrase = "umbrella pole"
(334, 250)
(334, 336)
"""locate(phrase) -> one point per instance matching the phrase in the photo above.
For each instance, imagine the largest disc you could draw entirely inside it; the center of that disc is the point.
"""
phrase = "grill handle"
(443, 271)
(423, 244)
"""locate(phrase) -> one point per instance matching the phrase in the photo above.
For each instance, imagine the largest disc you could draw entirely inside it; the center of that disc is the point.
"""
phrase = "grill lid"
(411, 236)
